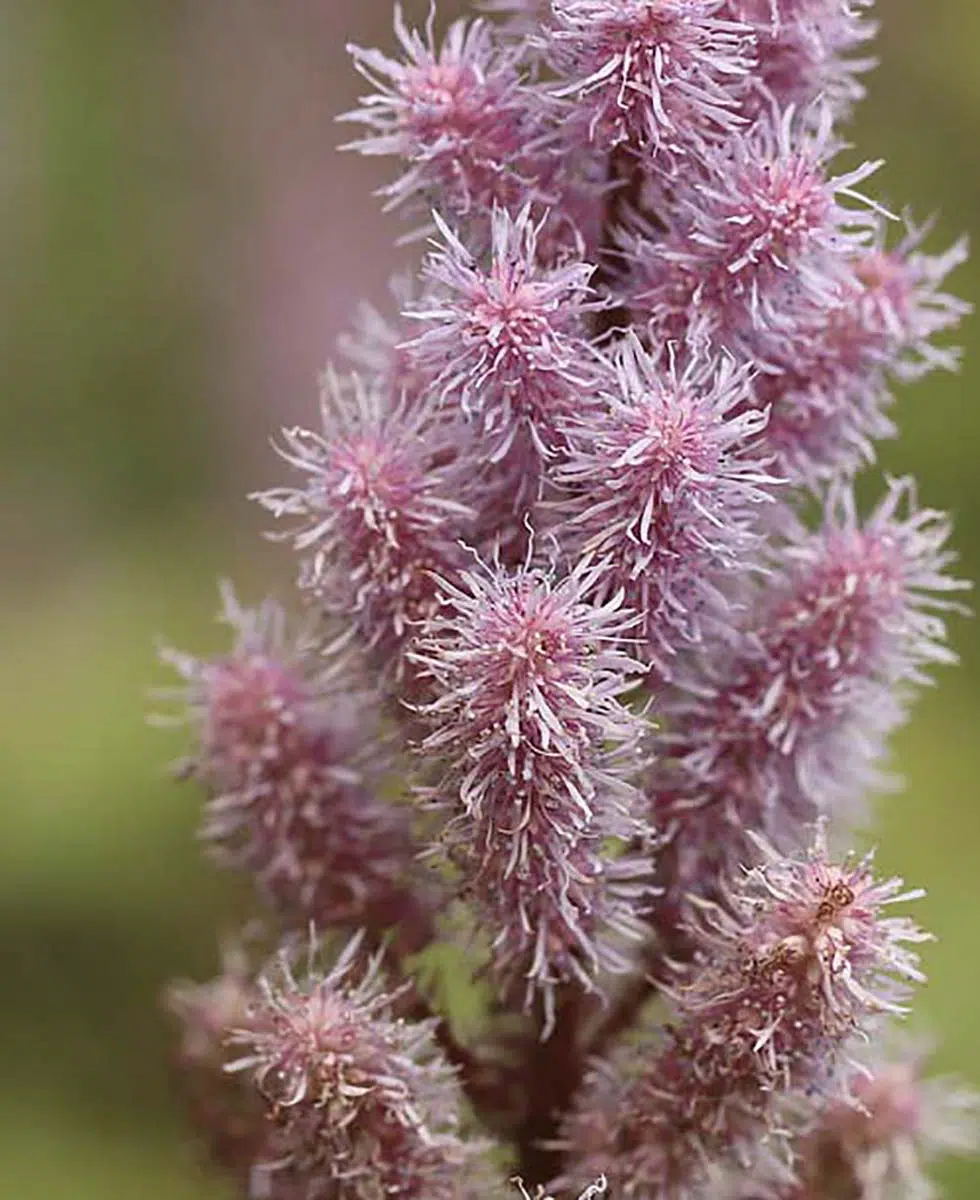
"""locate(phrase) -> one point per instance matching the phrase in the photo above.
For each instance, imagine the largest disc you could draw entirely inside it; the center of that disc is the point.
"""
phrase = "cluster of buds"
(598, 652)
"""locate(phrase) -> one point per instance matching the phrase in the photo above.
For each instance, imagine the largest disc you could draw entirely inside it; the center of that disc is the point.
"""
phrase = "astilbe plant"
(548, 788)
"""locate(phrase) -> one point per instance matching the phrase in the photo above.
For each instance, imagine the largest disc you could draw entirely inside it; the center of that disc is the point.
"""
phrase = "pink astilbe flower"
(659, 76)
(903, 303)
(827, 389)
(806, 49)
(762, 238)
(507, 343)
(879, 1145)
(791, 720)
(377, 514)
(288, 754)
(228, 1115)
(878, 1141)
(539, 754)
(568, 484)
(455, 114)
(804, 955)
(664, 491)
(360, 1103)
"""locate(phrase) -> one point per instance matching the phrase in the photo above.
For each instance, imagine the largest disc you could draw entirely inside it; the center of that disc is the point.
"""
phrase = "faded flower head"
(899, 1122)
(376, 350)
(283, 746)
(539, 752)
(827, 390)
(879, 1140)
(360, 1104)
(805, 956)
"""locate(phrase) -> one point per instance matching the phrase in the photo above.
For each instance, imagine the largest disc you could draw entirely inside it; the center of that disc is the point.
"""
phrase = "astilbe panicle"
(539, 754)
(360, 1102)
(658, 76)
(378, 510)
(596, 634)
(790, 720)
(763, 236)
(289, 756)
(454, 113)
(664, 481)
(805, 954)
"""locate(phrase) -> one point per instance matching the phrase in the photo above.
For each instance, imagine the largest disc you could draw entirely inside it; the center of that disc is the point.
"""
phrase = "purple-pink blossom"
(360, 1103)
(594, 632)
(664, 481)
(290, 758)
(507, 345)
(454, 113)
(764, 234)
(660, 77)
(806, 954)
(791, 719)
(379, 508)
(539, 755)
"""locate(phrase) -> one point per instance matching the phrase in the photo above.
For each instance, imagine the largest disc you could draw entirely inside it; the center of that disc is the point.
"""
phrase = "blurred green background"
(179, 244)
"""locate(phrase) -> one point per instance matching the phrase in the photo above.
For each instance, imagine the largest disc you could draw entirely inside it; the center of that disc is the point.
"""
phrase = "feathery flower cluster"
(878, 1141)
(806, 956)
(663, 483)
(508, 345)
(289, 759)
(378, 513)
(455, 114)
(596, 636)
(790, 720)
(539, 752)
(807, 48)
(360, 1103)
(663, 77)
(881, 1142)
